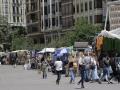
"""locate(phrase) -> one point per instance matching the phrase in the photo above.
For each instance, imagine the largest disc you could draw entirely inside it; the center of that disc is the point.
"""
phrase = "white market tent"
(51, 50)
(111, 34)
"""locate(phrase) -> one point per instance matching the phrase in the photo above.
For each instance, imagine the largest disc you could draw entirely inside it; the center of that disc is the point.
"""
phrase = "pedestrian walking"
(87, 62)
(71, 72)
(81, 56)
(94, 73)
(44, 68)
(82, 72)
(106, 66)
(59, 67)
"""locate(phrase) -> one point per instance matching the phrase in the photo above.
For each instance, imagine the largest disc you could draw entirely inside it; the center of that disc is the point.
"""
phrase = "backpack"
(118, 66)
(117, 63)
(106, 62)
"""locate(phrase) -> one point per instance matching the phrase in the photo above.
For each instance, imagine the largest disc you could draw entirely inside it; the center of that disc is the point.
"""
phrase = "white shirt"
(87, 60)
(80, 61)
(93, 61)
(58, 65)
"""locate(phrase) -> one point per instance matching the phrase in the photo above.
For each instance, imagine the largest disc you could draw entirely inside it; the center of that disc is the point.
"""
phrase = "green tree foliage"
(83, 31)
(3, 30)
(5, 36)
(19, 43)
(19, 39)
(13, 36)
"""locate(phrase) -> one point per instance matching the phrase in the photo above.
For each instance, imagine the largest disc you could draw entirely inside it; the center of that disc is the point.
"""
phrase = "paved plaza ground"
(20, 79)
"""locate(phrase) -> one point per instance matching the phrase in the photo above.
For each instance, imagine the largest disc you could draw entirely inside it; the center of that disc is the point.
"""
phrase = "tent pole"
(106, 18)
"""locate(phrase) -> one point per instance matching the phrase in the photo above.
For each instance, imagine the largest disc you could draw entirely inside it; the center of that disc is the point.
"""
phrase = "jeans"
(82, 78)
(87, 74)
(105, 74)
(44, 73)
(72, 75)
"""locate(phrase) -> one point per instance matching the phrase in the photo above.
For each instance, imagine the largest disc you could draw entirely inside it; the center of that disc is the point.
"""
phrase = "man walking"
(82, 72)
(59, 68)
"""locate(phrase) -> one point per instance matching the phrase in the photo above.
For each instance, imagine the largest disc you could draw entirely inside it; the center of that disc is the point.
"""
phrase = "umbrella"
(57, 51)
(64, 51)
(59, 55)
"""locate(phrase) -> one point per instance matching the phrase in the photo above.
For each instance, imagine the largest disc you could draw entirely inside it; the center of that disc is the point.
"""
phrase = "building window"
(14, 19)
(73, 9)
(18, 19)
(77, 8)
(21, 11)
(21, 20)
(17, 10)
(98, 18)
(13, 1)
(6, 9)
(46, 23)
(48, 9)
(60, 18)
(57, 21)
(81, 7)
(34, 29)
(91, 19)
(13, 10)
(53, 8)
(45, 0)
(17, 1)
(56, 7)
(86, 7)
(27, 7)
(98, 4)
(59, 6)
(34, 17)
(27, 0)
(90, 5)
(33, 6)
(42, 24)
(53, 21)
(45, 11)
(6, 1)
(49, 22)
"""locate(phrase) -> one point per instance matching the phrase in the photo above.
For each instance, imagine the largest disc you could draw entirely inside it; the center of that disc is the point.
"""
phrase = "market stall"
(108, 41)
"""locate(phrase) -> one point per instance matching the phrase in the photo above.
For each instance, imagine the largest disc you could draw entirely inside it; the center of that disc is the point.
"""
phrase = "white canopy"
(47, 50)
(111, 34)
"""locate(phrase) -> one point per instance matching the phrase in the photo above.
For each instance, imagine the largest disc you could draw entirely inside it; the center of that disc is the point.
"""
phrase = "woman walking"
(44, 68)
(71, 72)
(106, 69)
(94, 72)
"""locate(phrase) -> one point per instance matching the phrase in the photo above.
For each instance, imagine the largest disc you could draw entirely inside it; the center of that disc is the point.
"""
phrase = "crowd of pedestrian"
(91, 69)
(87, 66)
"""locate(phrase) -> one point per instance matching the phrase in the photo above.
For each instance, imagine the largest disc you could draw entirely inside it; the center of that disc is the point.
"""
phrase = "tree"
(12, 37)
(4, 32)
(84, 31)
(19, 43)
(19, 39)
